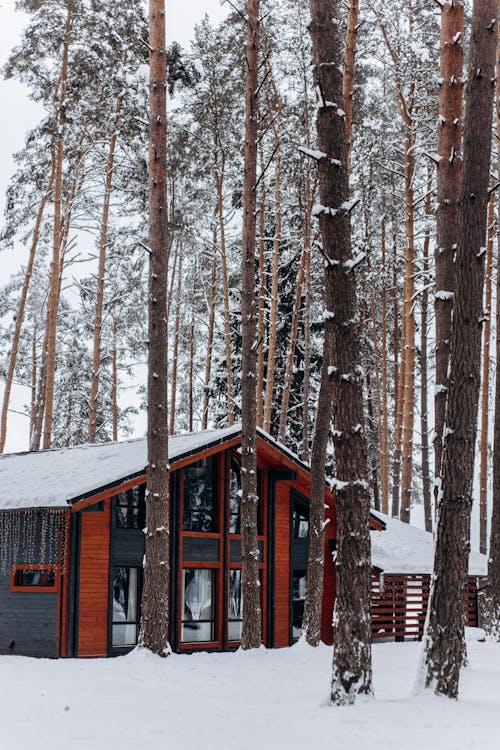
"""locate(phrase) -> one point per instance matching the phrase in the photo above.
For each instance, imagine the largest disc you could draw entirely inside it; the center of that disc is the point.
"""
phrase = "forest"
(317, 247)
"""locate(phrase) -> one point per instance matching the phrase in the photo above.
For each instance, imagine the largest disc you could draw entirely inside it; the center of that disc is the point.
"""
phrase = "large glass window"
(198, 605)
(235, 606)
(125, 606)
(235, 497)
(130, 508)
(200, 507)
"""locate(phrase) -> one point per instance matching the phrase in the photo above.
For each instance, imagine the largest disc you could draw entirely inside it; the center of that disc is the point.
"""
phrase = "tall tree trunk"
(114, 381)
(399, 379)
(155, 598)
(175, 353)
(292, 343)
(490, 601)
(191, 376)
(304, 453)
(444, 641)
(20, 310)
(409, 340)
(349, 69)
(384, 421)
(485, 386)
(273, 313)
(34, 365)
(99, 303)
(210, 338)
(261, 303)
(424, 418)
(341, 371)
(225, 292)
(448, 186)
(55, 270)
(251, 628)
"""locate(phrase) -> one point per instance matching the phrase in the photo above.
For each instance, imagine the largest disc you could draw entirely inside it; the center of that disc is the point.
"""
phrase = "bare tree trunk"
(445, 649)
(485, 386)
(251, 628)
(55, 270)
(114, 383)
(210, 339)
(384, 421)
(20, 310)
(273, 314)
(155, 596)
(292, 343)
(191, 376)
(33, 382)
(342, 375)
(424, 419)
(261, 303)
(304, 453)
(409, 340)
(225, 291)
(399, 379)
(448, 185)
(349, 69)
(490, 599)
(175, 353)
(99, 303)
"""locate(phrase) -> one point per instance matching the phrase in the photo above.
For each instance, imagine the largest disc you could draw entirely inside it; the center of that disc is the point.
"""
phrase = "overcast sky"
(19, 115)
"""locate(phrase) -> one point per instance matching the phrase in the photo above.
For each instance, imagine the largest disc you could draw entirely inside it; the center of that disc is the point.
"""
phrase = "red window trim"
(39, 589)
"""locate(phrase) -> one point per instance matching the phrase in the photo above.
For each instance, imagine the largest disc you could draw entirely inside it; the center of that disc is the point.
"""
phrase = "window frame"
(137, 622)
(39, 588)
(215, 606)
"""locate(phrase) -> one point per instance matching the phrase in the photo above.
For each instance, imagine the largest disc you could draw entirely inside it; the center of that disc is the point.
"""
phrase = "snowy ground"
(269, 699)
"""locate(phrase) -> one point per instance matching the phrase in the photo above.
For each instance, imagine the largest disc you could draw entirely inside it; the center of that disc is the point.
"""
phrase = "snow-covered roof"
(52, 478)
(402, 548)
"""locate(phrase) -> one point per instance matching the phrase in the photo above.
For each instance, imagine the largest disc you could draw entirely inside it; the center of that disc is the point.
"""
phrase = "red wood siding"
(282, 566)
(94, 583)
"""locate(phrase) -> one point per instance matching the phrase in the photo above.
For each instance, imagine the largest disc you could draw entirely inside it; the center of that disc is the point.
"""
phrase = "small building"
(72, 546)
(402, 561)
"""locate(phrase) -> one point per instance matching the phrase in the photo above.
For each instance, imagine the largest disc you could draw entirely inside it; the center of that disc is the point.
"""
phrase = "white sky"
(20, 115)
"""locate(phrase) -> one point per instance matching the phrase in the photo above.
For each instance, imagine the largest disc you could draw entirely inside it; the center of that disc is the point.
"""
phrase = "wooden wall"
(282, 565)
(94, 582)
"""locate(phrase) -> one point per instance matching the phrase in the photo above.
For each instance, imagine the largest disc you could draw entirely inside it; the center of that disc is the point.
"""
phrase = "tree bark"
(210, 338)
(490, 598)
(349, 70)
(175, 353)
(445, 649)
(55, 270)
(384, 418)
(155, 596)
(251, 628)
(114, 382)
(485, 386)
(99, 304)
(448, 185)
(341, 379)
(424, 419)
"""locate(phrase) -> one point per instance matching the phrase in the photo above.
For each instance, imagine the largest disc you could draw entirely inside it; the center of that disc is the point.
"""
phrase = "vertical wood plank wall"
(94, 583)
(282, 566)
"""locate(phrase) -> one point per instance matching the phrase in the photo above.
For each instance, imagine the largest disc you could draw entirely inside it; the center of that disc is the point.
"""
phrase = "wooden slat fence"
(399, 605)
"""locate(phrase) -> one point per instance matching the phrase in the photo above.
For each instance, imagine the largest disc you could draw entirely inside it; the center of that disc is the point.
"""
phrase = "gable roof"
(53, 478)
(405, 549)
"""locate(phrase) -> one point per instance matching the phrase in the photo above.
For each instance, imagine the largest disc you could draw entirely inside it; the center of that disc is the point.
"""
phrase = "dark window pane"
(35, 578)
(235, 497)
(300, 522)
(130, 509)
(200, 511)
(198, 605)
(125, 606)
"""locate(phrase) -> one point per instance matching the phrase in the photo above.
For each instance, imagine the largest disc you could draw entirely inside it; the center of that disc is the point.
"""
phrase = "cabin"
(72, 546)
